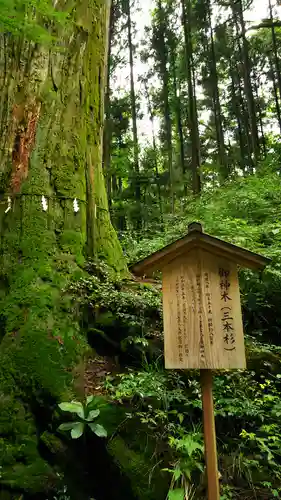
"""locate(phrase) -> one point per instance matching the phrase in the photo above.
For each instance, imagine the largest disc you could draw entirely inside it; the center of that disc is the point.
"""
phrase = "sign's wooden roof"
(197, 239)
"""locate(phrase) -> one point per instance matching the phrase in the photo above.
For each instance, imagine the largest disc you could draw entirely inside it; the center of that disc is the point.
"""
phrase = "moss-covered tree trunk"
(53, 214)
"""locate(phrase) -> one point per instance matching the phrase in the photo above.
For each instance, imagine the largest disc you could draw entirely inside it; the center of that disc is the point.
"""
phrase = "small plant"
(189, 449)
(86, 416)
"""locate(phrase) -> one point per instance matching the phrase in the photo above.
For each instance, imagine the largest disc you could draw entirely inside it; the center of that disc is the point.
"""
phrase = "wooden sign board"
(202, 313)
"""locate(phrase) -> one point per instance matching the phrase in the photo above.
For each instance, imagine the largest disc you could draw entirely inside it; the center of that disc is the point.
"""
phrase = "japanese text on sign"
(226, 311)
(182, 319)
(200, 317)
(209, 307)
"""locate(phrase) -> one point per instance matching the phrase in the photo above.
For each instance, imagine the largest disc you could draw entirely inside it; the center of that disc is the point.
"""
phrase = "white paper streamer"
(44, 204)
(75, 206)
(9, 205)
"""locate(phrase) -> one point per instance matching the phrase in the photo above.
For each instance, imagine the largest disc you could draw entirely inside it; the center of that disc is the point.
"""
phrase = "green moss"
(137, 467)
(42, 251)
(21, 465)
(53, 443)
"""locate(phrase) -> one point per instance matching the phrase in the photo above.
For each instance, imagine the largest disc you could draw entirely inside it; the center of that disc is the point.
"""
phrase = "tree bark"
(165, 91)
(247, 82)
(277, 66)
(107, 133)
(156, 170)
(51, 113)
(192, 115)
(216, 99)
(134, 119)
(178, 117)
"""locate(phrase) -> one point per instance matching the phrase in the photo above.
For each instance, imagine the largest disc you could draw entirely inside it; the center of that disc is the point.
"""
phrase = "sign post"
(210, 435)
(202, 315)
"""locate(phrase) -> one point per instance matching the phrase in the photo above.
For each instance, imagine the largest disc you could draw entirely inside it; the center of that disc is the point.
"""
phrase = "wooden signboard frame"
(202, 315)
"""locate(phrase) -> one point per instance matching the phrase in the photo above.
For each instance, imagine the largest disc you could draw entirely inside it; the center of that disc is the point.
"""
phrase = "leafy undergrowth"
(153, 418)
(166, 407)
(163, 414)
(158, 444)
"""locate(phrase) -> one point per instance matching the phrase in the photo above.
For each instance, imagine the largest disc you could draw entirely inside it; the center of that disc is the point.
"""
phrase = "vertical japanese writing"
(199, 308)
(226, 311)
(179, 321)
(209, 307)
(193, 298)
(184, 314)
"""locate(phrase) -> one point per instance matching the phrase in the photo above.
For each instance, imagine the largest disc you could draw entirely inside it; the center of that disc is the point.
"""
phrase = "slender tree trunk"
(275, 92)
(247, 83)
(244, 120)
(277, 71)
(216, 98)
(167, 111)
(192, 115)
(156, 170)
(242, 109)
(134, 119)
(236, 105)
(178, 117)
(53, 213)
(256, 83)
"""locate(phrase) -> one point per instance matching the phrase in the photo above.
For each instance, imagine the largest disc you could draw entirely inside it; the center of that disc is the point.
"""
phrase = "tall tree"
(161, 53)
(134, 116)
(277, 73)
(216, 95)
(53, 214)
(237, 10)
(192, 106)
(107, 125)
(177, 106)
(155, 160)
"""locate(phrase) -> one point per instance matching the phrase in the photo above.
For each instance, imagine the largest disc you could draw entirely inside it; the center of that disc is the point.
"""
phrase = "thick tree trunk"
(51, 113)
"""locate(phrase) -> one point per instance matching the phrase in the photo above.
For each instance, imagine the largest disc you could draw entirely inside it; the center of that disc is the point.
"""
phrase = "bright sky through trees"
(142, 18)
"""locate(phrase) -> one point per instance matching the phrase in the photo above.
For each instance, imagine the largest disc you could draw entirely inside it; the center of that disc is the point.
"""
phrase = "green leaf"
(73, 407)
(181, 418)
(98, 429)
(191, 445)
(177, 474)
(92, 415)
(89, 399)
(67, 426)
(77, 430)
(177, 494)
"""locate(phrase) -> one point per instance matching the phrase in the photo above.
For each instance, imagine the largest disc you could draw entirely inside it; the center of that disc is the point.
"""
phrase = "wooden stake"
(210, 435)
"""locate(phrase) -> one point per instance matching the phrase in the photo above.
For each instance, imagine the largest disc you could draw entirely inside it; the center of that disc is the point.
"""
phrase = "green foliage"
(28, 19)
(86, 417)
(119, 314)
(189, 448)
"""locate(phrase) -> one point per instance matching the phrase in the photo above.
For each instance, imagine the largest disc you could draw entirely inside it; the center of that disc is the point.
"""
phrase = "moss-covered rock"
(146, 481)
